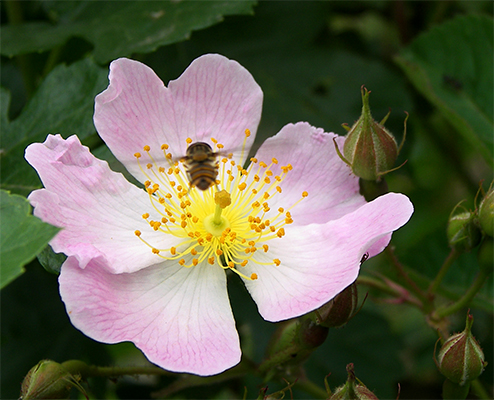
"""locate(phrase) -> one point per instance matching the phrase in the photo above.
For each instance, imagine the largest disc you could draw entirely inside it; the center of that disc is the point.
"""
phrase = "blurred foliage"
(431, 59)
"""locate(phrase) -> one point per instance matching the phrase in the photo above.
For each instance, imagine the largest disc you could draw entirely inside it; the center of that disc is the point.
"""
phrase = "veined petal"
(215, 97)
(326, 260)
(180, 318)
(98, 209)
(333, 189)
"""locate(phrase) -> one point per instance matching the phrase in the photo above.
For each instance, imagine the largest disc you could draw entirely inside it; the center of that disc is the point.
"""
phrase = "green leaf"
(63, 104)
(118, 29)
(452, 66)
(50, 260)
(22, 236)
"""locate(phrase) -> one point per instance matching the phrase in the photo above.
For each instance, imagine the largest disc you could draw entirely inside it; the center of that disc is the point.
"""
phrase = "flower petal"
(98, 208)
(215, 97)
(180, 318)
(326, 260)
(333, 190)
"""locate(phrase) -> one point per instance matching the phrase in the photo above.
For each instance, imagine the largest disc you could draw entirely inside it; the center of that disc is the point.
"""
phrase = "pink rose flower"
(148, 265)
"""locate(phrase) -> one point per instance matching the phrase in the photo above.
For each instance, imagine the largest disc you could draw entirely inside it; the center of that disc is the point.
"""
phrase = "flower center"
(228, 223)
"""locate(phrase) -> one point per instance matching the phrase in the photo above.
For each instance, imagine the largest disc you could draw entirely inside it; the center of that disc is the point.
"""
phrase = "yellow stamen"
(227, 224)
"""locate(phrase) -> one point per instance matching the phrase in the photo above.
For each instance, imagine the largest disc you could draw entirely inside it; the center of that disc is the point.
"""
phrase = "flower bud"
(48, 380)
(370, 149)
(486, 213)
(463, 233)
(310, 334)
(352, 390)
(460, 358)
(338, 311)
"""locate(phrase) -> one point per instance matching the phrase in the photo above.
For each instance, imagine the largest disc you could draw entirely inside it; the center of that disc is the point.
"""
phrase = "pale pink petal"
(333, 189)
(180, 318)
(98, 209)
(215, 97)
(320, 260)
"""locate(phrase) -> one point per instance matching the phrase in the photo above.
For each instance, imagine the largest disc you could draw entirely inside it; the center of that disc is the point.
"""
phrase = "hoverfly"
(201, 164)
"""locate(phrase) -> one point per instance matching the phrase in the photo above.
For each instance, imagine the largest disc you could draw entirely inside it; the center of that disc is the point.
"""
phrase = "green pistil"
(216, 223)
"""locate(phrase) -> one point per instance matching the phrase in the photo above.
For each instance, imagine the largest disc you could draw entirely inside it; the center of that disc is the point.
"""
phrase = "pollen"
(229, 225)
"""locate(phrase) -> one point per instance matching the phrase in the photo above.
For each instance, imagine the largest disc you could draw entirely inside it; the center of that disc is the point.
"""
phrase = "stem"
(387, 288)
(412, 285)
(76, 366)
(278, 358)
(187, 381)
(465, 300)
(480, 390)
(452, 256)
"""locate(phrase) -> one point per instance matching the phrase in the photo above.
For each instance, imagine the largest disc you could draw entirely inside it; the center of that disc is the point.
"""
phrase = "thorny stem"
(452, 256)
